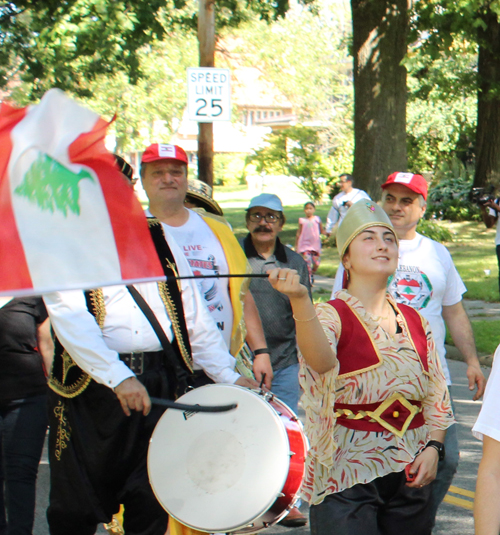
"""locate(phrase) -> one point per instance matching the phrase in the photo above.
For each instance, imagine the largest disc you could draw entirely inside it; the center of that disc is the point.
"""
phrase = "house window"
(252, 117)
(271, 114)
(264, 114)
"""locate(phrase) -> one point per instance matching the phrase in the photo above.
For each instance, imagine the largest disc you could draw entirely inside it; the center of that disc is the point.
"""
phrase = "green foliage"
(295, 151)
(441, 109)
(147, 110)
(473, 252)
(437, 129)
(449, 195)
(229, 169)
(442, 82)
(433, 230)
(67, 43)
(306, 57)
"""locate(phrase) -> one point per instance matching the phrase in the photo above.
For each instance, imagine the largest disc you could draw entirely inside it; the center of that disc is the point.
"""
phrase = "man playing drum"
(108, 362)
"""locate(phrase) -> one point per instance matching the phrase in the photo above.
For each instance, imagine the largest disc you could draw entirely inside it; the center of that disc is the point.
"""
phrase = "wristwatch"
(439, 446)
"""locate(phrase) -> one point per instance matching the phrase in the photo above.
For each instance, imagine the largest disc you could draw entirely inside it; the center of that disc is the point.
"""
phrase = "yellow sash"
(237, 263)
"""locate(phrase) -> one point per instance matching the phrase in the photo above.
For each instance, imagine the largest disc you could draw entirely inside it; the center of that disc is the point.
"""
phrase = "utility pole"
(206, 39)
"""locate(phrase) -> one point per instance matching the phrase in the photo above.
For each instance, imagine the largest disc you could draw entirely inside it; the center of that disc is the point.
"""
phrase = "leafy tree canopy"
(66, 43)
(295, 151)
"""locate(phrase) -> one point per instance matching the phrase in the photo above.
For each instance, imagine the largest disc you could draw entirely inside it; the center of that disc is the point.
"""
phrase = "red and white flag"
(68, 219)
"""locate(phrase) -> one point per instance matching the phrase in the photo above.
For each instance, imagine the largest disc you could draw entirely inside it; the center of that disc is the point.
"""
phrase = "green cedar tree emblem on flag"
(52, 186)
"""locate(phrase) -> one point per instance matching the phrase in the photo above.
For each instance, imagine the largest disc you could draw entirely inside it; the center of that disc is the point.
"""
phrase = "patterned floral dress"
(340, 457)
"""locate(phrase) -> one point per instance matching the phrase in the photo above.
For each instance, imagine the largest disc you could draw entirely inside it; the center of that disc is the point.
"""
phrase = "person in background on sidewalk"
(487, 429)
(264, 250)
(343, 201)
(427, 280)
(308, 239)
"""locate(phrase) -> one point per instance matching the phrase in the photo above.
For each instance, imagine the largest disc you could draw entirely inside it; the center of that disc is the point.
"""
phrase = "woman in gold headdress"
(376, 402)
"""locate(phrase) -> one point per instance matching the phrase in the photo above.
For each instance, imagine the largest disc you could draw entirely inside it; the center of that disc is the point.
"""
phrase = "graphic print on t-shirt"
(208, 287)
(410, 286)
(206, 258)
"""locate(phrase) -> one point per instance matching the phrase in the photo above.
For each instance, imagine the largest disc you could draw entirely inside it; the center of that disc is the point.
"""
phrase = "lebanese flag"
(68, 218)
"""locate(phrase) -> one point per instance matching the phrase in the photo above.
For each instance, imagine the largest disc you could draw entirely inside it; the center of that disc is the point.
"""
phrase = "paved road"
(453, 518)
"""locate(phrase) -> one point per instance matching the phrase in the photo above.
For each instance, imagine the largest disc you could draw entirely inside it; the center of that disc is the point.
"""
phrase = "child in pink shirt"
(308, 239)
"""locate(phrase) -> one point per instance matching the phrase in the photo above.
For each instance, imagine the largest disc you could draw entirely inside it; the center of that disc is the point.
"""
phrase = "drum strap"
(178, 378)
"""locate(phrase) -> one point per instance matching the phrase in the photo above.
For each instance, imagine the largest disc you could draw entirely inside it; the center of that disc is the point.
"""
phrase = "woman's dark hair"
(309, 203)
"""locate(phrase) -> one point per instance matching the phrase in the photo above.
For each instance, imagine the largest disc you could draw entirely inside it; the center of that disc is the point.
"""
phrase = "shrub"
(434, 231)
(449, 194)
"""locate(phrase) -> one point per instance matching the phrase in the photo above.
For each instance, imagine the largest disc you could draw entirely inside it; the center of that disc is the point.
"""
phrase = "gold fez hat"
(360, 216)
(202, 195)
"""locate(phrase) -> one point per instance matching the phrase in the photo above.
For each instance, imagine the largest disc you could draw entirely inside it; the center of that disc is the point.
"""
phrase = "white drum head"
(217, 472)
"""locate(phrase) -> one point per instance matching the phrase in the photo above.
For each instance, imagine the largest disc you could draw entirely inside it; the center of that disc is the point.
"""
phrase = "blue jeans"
(23, 424)
(446, 469)
(286, 386)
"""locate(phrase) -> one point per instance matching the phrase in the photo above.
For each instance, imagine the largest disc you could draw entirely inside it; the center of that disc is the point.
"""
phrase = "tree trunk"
(488, 104)
(379, 45)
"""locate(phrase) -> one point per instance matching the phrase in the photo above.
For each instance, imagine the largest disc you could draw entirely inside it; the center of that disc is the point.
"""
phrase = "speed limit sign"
(209, 94)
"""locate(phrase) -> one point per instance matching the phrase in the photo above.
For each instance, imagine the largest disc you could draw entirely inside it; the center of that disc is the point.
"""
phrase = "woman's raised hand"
(287, 281)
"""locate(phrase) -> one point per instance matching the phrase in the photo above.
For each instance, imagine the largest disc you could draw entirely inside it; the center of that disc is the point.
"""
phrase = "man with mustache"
(264, 250)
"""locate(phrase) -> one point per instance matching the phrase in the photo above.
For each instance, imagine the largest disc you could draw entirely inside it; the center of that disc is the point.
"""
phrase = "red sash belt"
(396, 414)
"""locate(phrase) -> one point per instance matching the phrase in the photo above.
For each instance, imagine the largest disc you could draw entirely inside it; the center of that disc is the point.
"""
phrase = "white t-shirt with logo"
(206, 257)
(425, 279)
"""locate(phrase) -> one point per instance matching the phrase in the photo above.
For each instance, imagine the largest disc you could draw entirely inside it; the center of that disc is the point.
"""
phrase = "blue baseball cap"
(266, 200)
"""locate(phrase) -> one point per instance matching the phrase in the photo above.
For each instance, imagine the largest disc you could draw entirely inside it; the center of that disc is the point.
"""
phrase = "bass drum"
(238, 471)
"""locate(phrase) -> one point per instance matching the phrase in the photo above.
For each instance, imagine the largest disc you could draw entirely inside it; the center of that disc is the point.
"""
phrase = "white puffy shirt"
(127, 330)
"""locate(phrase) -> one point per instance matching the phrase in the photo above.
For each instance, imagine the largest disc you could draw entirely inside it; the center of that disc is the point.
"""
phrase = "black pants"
(385, 506)
(23, 425)
(98, 460)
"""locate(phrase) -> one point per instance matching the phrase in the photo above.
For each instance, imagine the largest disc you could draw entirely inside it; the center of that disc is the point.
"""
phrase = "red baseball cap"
(160, 151)
(416, 183)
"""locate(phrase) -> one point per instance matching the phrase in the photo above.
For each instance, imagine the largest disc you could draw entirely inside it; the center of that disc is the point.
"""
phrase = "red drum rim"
(217, 472)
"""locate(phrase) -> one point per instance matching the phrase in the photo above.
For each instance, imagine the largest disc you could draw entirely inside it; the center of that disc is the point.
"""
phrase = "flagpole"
(228, 276)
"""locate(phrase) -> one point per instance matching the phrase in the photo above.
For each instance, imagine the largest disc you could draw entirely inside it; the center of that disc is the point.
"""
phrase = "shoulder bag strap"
(179, 374)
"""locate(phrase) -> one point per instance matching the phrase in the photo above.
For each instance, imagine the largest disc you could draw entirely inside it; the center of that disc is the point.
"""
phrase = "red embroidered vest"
(357, 351)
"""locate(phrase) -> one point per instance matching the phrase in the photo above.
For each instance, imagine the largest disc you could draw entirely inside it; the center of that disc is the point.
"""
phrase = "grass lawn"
(485, 334)
(473, 252)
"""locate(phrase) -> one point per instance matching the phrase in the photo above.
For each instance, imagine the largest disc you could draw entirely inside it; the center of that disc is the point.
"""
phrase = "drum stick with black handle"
(193, 408)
